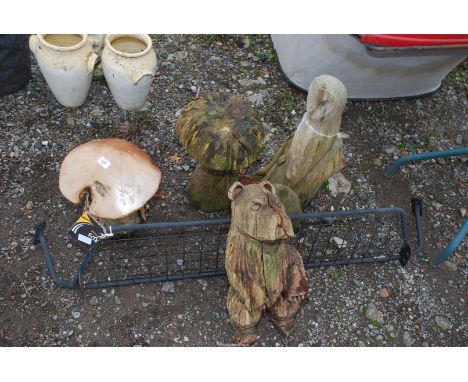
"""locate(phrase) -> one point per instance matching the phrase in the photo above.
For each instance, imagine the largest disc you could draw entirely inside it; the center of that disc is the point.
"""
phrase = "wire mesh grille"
(171, 253)
(184, 252)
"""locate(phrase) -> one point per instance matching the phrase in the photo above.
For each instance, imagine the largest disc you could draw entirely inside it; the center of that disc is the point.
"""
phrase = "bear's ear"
(235, 190)
(267, 186)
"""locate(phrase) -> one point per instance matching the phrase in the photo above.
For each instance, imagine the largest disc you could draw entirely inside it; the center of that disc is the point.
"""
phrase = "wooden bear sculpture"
(265, 271)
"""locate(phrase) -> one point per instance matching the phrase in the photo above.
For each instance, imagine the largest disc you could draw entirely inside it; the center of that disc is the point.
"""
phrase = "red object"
(399, 40)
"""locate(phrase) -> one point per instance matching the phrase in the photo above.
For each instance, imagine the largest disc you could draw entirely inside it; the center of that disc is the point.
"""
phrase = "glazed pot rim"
(142, 37)
(84, 40)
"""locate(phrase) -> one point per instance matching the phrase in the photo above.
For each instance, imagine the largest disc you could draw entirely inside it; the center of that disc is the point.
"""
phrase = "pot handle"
(33, 43)
(139, 74)
(92, 61)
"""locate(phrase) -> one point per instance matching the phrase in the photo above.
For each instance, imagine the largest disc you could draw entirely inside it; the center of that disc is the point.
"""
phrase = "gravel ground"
(365, 305)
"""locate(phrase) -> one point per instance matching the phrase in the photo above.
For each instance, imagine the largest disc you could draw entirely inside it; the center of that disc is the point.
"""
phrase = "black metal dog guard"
(147, 253)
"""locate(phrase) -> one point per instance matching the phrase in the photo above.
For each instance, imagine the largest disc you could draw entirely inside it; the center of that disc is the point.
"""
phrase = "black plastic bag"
(15, 62)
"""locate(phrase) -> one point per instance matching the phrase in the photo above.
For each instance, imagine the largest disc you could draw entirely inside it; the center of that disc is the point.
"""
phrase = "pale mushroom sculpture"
(223, 134)
(118, 176)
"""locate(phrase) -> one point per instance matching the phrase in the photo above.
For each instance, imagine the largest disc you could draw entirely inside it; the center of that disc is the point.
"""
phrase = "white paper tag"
(84, 239)
(104, 162)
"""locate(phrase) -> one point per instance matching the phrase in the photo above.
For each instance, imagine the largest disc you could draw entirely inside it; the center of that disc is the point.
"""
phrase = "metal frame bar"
(392, 169)
(452, 247)
(459, 236)
(77, 279)
(416, 208)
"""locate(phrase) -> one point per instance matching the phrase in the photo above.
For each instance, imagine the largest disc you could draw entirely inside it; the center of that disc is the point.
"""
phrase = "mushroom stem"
(208, 188)
(134, 218)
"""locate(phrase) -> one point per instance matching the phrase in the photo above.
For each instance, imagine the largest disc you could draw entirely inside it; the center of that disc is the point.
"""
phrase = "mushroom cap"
(221, 132)
(120, 177)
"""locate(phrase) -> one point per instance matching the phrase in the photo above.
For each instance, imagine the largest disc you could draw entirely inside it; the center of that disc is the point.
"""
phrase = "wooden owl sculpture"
(315, 151)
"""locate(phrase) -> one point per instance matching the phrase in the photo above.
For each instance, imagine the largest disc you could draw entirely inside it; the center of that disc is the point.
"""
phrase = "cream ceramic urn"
(129, 65)
(67, 63)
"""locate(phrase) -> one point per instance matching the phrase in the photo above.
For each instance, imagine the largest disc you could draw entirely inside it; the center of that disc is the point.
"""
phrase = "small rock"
(384, 293)
(186, 168)
(338, 184)
(357, 283)
(168, 287)
(203, 283)
(144, 304)
(193, 89)
(93, 300)
(243, 42)
(261, 81)
(390, 331)
(463, 212)
(248, 82)
(180, 55)
(70, 121)
(450, 266)
(340, 243)
(374, 314)
(223, 315)
(29, 205)
(390, 150)
(408, 341)
(377, 162)
(256, 99)
(443, 323)
(437, 206)
(95, 112)
(45, 143)
(76, 312)
(117, 300)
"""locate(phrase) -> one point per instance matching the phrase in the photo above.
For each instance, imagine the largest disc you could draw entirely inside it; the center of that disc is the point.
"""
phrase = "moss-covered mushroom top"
(221, 132)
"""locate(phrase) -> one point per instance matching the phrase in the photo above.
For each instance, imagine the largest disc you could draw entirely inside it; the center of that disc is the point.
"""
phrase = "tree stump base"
(208, 189)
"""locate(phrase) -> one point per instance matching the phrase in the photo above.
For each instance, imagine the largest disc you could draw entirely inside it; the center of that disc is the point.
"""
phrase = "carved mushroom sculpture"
(222, 133)
(118, 176)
